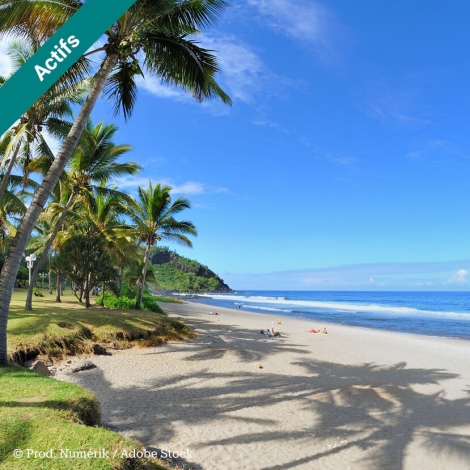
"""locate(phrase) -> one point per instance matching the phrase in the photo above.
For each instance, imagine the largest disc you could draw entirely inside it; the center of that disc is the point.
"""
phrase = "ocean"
(444, 314)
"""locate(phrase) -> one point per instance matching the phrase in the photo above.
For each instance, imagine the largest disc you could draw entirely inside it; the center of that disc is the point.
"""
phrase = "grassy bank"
(54, 330)
(54, 424)
(57, 421)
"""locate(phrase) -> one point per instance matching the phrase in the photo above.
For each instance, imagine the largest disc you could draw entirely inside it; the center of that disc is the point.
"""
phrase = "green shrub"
(37, 292)
(148, 303)
(114, 301)
(125, 303)
(129, 292)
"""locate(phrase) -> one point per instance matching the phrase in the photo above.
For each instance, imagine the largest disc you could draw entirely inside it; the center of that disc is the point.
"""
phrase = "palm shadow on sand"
(378, 407)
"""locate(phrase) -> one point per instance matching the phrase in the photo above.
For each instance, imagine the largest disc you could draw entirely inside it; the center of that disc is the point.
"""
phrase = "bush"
(129, 292)
(37, 292)
(125, 303)
(148, 303)
(114, 301)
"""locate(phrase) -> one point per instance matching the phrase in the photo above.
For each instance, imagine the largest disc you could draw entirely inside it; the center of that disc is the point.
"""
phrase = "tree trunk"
(103, 290)
(138, 302)
(18, 245)
(6, 176)
(87, 292)
(119, 279)
(42, 258)
(59, 288)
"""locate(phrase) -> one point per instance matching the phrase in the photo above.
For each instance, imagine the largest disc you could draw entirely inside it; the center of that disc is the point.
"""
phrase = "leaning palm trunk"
(12, 263)
(6, 176)
(42, 258)
(138, 301)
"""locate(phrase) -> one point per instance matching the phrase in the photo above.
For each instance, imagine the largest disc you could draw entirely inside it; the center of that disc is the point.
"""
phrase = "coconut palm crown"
(154, 221)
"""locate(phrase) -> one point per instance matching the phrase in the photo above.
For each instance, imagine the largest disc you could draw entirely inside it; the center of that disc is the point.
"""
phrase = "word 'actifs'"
(57, 55)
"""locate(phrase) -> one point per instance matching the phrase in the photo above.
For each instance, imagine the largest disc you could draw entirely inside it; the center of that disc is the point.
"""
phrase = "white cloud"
(391, 276)
(154, 161)
(154, 86)
(299, 19)
(242, 71)
(398, 104)
(188, 188)
(242, 74)
(460, 277)
(438, 149)
(306, 21)
(271, 124)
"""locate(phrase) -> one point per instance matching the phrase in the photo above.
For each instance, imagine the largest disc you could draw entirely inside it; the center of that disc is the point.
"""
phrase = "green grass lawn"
(55, 330)
(40, 414)
(43, 415)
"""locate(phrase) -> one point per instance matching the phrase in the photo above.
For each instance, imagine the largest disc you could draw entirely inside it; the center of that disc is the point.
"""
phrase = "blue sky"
(344, 160)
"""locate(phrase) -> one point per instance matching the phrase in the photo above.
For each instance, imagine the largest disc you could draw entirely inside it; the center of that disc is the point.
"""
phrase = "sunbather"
(270, 332)
(318, 331)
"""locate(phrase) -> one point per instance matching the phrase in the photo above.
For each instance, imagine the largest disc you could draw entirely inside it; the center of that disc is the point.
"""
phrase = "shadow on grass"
(19, 432)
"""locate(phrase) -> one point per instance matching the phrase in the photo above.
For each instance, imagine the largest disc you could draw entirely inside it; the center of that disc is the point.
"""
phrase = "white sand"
(353, 399)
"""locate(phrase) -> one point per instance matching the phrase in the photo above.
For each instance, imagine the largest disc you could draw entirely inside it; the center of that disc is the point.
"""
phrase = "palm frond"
(121, 88)
(181, 62)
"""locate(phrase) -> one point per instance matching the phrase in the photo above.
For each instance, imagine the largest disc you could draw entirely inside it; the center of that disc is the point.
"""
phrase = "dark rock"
(99, 350)
(83, 365)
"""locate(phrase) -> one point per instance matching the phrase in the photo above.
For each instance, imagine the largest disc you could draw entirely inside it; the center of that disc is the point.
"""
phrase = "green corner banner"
(56, 56)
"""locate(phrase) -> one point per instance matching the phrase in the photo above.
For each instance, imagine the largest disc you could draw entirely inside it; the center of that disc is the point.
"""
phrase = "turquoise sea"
(428, 313)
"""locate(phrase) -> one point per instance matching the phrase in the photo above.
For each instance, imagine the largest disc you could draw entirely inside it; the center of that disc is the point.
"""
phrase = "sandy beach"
(353, 399)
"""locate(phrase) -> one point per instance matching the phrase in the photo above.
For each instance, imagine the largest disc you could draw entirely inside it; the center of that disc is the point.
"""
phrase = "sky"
(343, 162)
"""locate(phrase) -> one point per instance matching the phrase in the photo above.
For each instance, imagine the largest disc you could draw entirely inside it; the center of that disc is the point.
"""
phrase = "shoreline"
(311, 316)
(355, 398)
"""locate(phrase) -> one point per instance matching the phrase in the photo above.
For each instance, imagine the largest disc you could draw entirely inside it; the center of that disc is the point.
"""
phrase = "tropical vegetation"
(74, 196)
(177, 273)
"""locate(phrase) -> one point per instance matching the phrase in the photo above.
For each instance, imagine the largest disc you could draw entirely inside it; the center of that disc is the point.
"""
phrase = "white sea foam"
(283, 310)
(338, 306)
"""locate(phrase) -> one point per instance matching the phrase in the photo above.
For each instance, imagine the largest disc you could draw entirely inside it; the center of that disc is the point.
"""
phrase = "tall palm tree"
(154, 219)
(156, 30)
(93, 163)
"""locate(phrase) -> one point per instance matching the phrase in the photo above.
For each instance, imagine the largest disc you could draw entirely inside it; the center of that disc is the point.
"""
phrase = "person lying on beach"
(270, 332)
(276, 322)
(213, 313)
(318, 331)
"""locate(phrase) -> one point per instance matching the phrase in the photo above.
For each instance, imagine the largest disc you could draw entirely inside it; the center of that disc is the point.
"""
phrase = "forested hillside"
(177, 273)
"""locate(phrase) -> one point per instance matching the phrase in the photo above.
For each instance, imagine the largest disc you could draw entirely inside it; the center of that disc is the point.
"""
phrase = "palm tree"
(154, 219)
(12, 207)
(156, 30)
(93, 163)
(27, 135)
